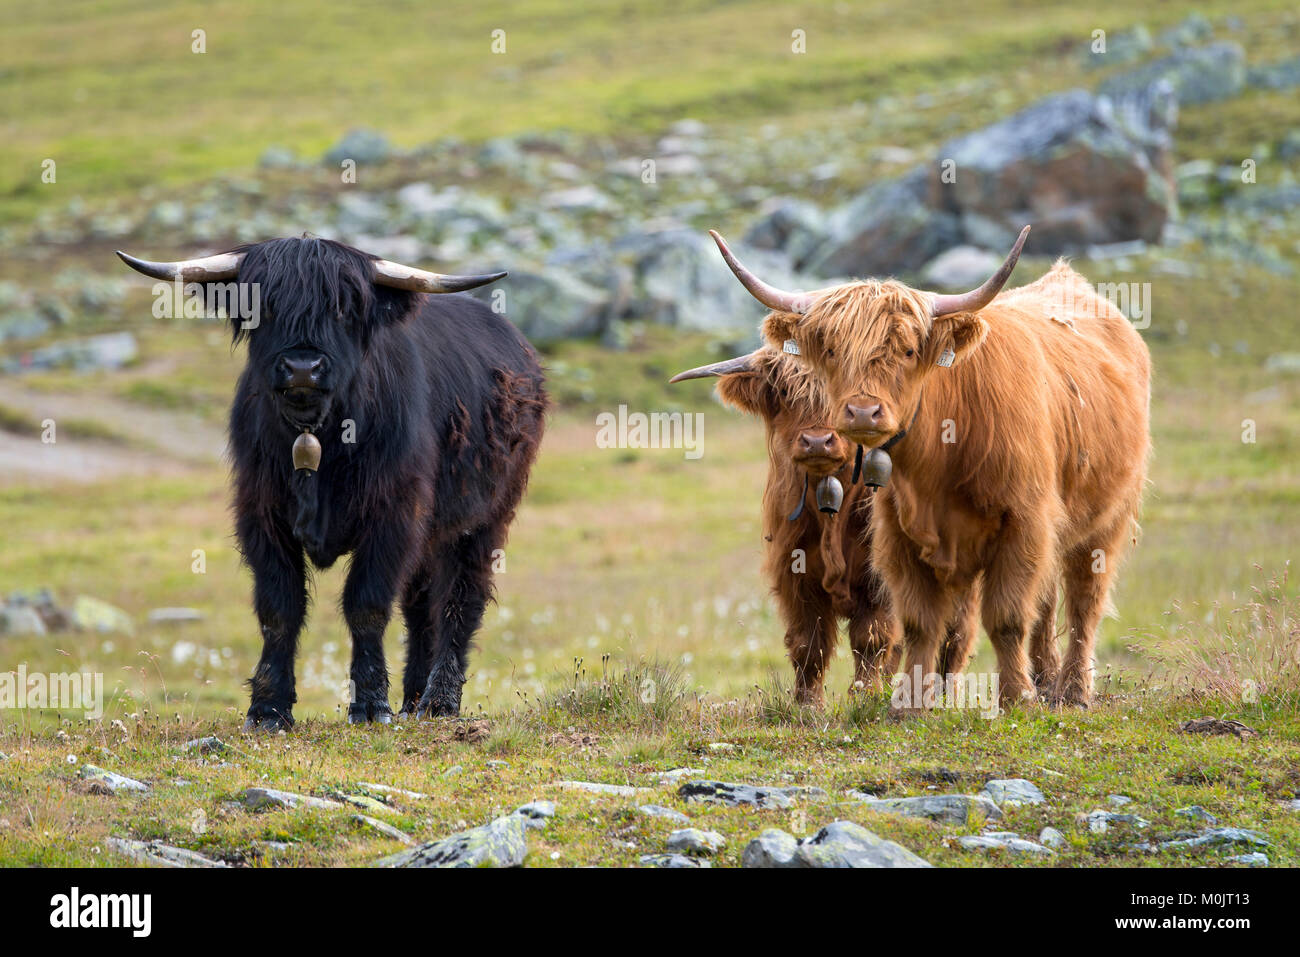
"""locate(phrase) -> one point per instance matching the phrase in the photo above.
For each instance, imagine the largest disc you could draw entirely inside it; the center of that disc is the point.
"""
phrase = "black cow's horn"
(205, 269)
(725, 367)
(977, 299)
(775, 299)
(418, 280)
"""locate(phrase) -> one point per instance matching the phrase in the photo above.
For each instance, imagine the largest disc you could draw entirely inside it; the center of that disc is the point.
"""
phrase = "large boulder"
(1083, 170)
(841, 844)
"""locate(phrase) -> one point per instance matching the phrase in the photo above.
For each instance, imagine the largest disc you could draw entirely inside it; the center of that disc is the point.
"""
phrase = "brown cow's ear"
(748, 392)
(778, 327)
(953, 338)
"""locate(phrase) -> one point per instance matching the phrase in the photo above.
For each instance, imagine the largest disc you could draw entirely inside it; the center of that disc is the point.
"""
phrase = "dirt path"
(152, 441)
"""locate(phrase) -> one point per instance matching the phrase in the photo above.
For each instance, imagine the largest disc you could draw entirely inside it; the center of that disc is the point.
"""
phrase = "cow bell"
(876, 468)
(306, 452)
(830, 495)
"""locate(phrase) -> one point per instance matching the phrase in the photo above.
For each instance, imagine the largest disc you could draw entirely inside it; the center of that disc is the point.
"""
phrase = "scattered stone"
(1282, 75)
(365, 802)
(1217, 726)
(676, 774)
(91, 614)
(1118, 800)
(592, 787)
(162, 855)
(110, 782)
(1220, 837)
(841, 844)
(1099, 821)
(1253, 859)
(1196, 75)
(537, 813)
(1012, 792)
(667, 813)
(1007, 840)
(20, 620)
(692, 840)
(672, 860)
(501, 843)
(278, 157)
(960, 268)
(209, 745)
(1122, 46)
(257, 798)
(498, 764)
(388, 789)
(452, 771)
(1198, 813)
(361, 146)
(945, 808)
(1051, 837)
(733, 795)
(1292, 805)
(174, 616)
(384, 828)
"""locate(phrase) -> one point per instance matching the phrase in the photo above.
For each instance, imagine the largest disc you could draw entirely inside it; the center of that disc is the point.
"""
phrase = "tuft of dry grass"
(1247, 655)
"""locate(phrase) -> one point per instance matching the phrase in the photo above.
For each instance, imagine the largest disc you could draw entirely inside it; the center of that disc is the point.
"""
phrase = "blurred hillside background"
(811, 133)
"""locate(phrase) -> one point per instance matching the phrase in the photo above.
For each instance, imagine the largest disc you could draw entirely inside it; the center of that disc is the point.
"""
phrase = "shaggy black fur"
(445, 404)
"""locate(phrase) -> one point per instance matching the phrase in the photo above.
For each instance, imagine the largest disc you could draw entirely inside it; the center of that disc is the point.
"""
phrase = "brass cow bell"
(877, 466)
(306, 452)
(830, 495)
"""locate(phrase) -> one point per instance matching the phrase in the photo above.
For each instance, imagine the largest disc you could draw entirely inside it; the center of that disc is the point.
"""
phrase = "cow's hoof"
(372, 713)
(267, 719)
(437, 708)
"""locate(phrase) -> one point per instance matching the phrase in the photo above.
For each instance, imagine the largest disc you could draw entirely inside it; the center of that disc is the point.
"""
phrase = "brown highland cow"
(818, 560)
(1023, 462)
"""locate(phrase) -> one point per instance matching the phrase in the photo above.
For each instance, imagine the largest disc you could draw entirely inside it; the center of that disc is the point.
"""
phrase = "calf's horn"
(725, 367)
(775, 299)
(205, 269)
(398, 276)
(977, 299)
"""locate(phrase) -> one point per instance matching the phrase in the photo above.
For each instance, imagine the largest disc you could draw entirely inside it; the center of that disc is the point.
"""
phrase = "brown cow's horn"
(206, 269)
(977, 299)
(725, 367)
(775, 299)
(418, 280)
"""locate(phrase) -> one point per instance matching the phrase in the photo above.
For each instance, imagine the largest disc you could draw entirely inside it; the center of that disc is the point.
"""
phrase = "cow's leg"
(873, 635)
(376, 573)
(280, 601)
(1044, 656)
(419, 609)
(1088, 572)
(1013, 583)
(468, 589)
(962, 633)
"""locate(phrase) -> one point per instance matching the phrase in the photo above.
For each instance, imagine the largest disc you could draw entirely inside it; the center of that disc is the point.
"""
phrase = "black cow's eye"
(830, 353)
(910, 353)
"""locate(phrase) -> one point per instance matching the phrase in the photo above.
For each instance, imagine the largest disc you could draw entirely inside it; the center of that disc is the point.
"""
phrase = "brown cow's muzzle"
(867, 422)
(820, 452)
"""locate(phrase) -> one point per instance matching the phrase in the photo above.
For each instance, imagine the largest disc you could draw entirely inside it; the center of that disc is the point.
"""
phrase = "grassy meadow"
(622, 563)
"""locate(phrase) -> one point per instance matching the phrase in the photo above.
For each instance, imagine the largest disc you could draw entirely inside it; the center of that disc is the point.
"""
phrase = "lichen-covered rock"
(1220, 837)
(161, 855)
(840, 844)
(667, 813)
(672, 860)
(1198, 813)
(258, 798)
(691, 840)
(1003, 840)
(537, 813)
(945, 808)
(111, 781)
(722, 792)
(1099, 821)
(501, 843)
(1012, 792)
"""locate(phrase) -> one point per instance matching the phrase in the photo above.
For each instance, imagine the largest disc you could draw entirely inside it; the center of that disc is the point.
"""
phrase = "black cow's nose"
(858, 417)
(302, 373)
(816, 443)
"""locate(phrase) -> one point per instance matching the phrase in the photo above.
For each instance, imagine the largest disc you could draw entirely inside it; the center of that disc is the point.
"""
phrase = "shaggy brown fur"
(819, 565)
(1024, 466)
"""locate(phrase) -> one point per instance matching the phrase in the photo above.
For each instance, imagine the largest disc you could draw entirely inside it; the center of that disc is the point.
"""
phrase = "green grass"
(113, 93)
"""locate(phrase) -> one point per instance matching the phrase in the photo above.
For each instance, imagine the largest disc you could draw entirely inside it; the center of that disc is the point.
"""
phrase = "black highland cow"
(428, 411)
